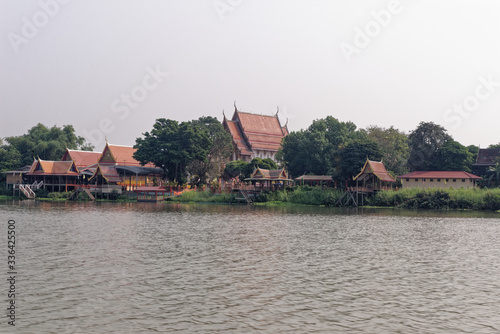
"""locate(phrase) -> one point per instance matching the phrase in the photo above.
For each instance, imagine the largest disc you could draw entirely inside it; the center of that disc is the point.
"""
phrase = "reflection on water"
(156, 267)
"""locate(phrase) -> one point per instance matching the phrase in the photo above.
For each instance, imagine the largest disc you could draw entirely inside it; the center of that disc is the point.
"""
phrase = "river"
(185, 268)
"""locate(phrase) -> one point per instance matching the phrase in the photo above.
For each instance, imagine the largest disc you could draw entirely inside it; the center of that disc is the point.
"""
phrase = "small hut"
(269, 179)
(373, 177)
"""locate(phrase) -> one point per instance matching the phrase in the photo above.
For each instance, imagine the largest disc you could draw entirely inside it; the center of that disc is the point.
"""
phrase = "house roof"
(43, 167)
(487, 156)
(314, 178)
(255, 132)
(268, 174)
(81, 158)
(108, 172)
(376, 168)
(439, 175)
(120, 155)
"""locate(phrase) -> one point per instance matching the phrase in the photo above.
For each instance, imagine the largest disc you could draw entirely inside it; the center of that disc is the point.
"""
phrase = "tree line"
(198, 151)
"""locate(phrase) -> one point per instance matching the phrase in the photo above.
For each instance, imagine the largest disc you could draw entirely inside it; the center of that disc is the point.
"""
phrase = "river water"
(164, 268)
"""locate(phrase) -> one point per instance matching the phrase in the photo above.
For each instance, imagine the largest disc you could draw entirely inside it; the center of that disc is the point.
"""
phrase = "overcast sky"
(110, 68)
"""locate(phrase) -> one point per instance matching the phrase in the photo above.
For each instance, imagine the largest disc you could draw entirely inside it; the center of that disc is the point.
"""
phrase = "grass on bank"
(201, 197)
(439, 199)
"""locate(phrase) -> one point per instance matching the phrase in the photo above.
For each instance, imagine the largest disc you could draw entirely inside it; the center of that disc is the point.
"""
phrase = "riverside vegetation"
(431, 199)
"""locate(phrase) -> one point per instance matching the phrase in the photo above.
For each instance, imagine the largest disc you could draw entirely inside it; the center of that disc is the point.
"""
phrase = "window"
(423, 180)
(439, 180)
(416, 180)
(463, 180)
(446, 180)
(407, 180)
(432, 180)
(454, 180)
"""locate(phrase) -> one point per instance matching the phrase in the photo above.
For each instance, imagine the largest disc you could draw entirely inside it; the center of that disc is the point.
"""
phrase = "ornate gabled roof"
(268, 174)
(376, 168)
(120, 155)
(43, 167)
(81, 158)
(487, 156)
(255, 132)
(107, 172)
(439, 175)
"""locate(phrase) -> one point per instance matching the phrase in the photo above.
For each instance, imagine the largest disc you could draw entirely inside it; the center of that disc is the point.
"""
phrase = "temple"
(254, 136)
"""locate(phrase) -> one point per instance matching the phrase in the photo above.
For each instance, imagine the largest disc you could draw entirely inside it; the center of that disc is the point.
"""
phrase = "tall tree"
(221, 147)
(46, 143)
(394, 146)
(353, 156)
(453, 156)
(171, 146)
(235, 169)
(316, 150)
(425, 142)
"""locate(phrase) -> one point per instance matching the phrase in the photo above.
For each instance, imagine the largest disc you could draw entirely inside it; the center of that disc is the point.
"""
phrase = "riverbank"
(428, 199)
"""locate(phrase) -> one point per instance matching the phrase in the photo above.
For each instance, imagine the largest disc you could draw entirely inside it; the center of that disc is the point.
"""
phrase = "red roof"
(255, 132)
(81, 158)
(378, 169)
(120, 155)
(42, 167)
(108, 172)
(487, 156)
(439, 175)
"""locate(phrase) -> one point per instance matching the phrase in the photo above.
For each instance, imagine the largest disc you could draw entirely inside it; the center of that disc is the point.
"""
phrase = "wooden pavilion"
(373, 177)
(269, 179)
(54, 175)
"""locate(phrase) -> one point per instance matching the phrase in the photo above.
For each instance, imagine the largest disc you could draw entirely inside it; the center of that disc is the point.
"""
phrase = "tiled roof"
(269, 174)
(108, 172)
(81, 158)
(487, 156)
(255, 132)
(121, 155)
(378, 169)
(314, 178)
(439, 175)
(42, 167)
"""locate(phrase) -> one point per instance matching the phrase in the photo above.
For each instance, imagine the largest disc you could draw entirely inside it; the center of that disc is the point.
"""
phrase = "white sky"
(79, 62)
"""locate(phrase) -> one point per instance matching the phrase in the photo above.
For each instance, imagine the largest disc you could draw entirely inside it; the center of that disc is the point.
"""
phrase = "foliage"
(394, 147)
(425, 142)
(474, 150)
(316, 150)
(171, 146)
(440, 199)
(493, 175)
(43, 142)
(353, 156)
(494, 146)
(221, 147)
(303, 195)
(234, 169)
(453, 156)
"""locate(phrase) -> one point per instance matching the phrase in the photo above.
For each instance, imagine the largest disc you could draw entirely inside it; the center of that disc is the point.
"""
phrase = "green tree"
(258, 162)
(425, 142)
(495, 146)
(171, 146)
(221, 147)
(234, 169)
(493, 175)
(474, 150)
(353, 156)
(316, 150)
(45, 143)
(394, 146)
(453, 156)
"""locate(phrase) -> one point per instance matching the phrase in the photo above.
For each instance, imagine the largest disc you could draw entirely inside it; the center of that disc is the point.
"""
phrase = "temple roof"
(487, 156)
(255, 132)
(108, 172)
(376, 168)
(268, 174)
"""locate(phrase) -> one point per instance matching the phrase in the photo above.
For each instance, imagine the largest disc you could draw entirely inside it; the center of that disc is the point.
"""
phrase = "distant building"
(485, 159)
(439, 179)
(373, 176)
(254, 136)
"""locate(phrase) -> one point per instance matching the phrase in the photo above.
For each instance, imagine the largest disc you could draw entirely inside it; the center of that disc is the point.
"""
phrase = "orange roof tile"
(120, 155)
(81, 158)
(378, 169)
(42, 167)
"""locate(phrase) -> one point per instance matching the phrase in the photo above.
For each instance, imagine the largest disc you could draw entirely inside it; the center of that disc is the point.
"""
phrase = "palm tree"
(495, 173)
